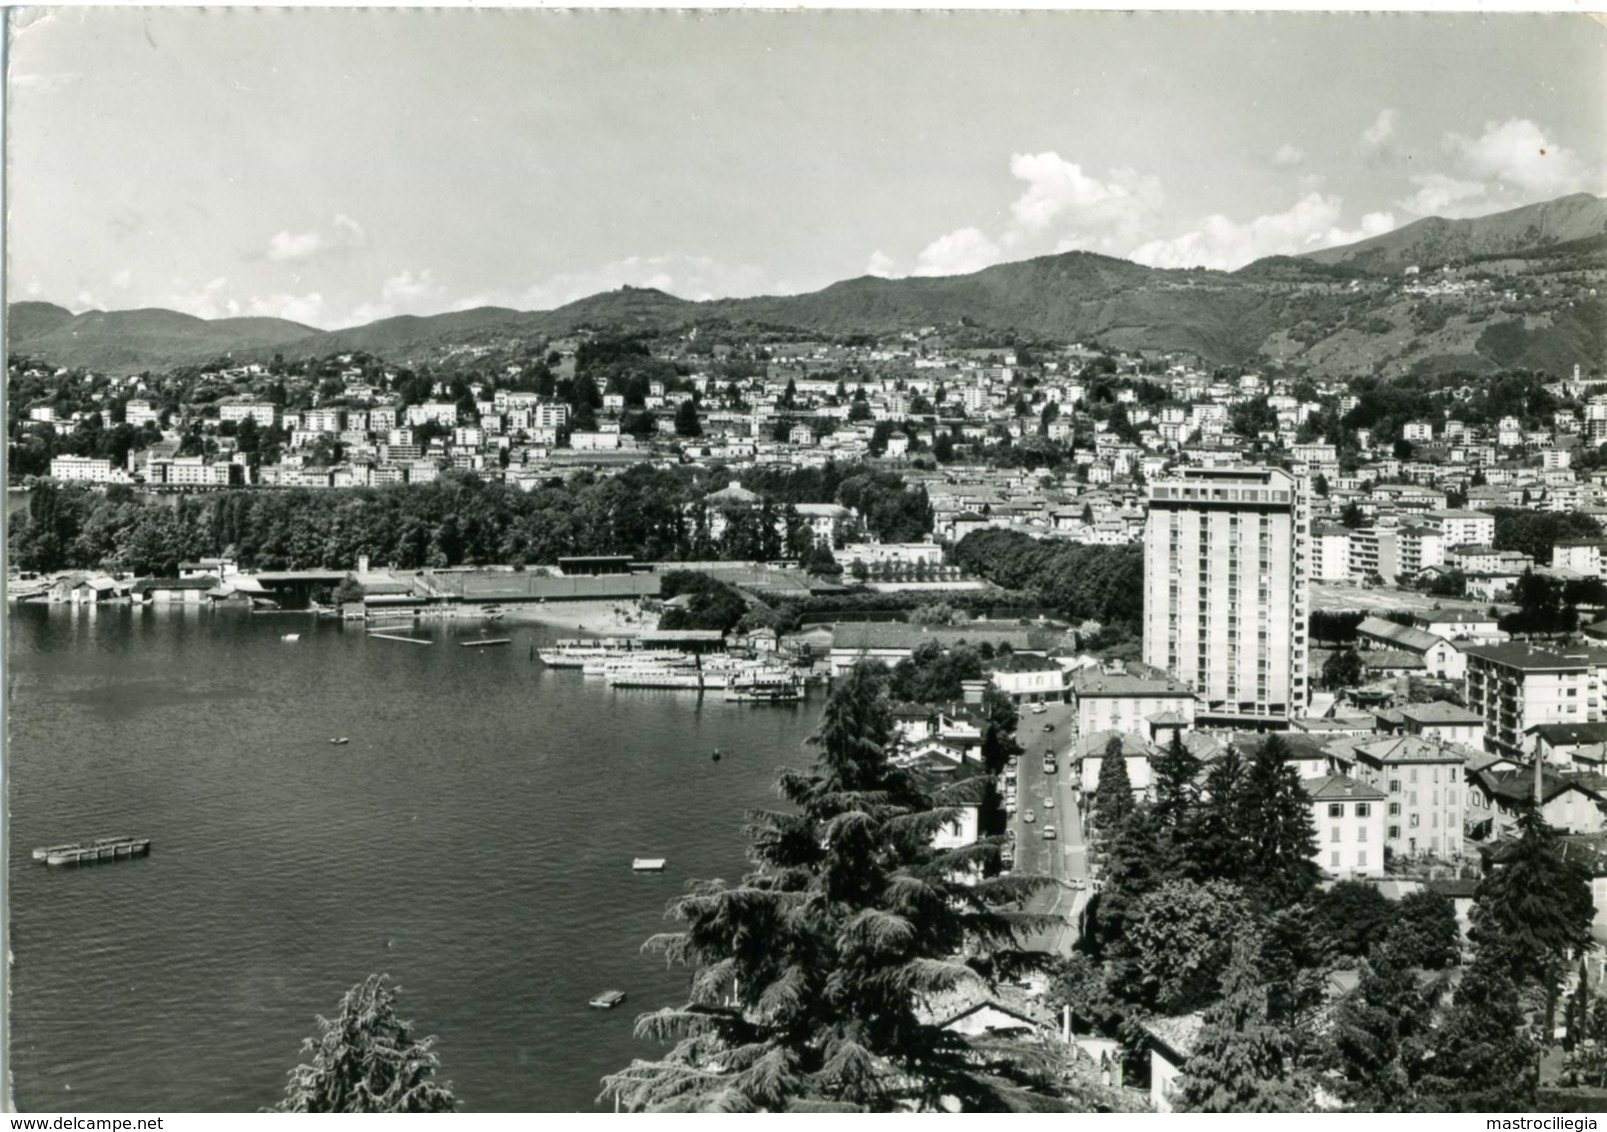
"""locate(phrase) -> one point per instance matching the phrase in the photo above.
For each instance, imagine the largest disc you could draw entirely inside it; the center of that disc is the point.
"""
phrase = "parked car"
(1049, 803)
(1048, 833)
(1048, 727)
(1048, 766)
(1029, 817)
(1038, 709)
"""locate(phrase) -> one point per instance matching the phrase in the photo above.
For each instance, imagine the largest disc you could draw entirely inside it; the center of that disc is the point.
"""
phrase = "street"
(1064, 857)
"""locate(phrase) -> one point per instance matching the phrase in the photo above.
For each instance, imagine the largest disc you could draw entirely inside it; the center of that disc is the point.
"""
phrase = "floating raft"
(608, 1000)
(648, 864)
(89, 852)
(399, 637)
(483, 644)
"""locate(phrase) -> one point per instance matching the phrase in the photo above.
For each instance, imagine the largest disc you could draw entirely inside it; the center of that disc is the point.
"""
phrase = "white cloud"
(880, 265)
(207, 301)
(1382, 129)
(1440, 195)
(958, 253)
(349, 233)
(1217, 241)
(308, 308)
(1096, 212)
(288, 247)
(1517, 154)
(1288, 156)
(407, 289)
(122, 278)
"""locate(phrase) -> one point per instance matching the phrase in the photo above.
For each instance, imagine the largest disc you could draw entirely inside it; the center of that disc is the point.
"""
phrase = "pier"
(399, 637)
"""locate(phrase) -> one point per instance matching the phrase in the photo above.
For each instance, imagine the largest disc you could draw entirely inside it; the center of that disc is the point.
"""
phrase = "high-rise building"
(1225, 591)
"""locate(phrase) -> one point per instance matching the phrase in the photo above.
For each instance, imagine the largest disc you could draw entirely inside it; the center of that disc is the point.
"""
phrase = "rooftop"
(1440, 713)
(1527, 657)
(1338, 787)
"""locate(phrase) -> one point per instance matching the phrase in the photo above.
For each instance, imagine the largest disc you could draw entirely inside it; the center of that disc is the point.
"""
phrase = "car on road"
(1077, 882)
(1029, 817)
(1007, 856)
(1038, 709)
(1048, 803)
(1048, 833)
(1048, 764)
(1048, 727)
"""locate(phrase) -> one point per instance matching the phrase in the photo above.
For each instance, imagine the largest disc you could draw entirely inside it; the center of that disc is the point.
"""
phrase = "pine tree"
(1113, 794)
(812, 972)
(1241, 1062)
(1533, 907)
(1382, 1034)
(366, 1059)
(1176, 791)
(1485, 1058)
(1275, 818)
(1216, 845)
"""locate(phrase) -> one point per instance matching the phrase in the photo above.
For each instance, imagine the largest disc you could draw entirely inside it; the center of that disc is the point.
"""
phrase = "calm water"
(473, 840)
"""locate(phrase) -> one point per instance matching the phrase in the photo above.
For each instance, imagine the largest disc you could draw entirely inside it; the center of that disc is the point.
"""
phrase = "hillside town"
(1098, 581)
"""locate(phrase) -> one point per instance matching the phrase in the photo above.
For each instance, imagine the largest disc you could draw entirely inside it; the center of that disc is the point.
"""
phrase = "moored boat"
(88, 852)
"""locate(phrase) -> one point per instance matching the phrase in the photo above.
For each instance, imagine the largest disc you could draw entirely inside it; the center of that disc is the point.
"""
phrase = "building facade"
(1225, 581)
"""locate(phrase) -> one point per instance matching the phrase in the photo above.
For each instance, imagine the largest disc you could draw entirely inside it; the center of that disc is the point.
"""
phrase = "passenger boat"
(765, 686)
(574, 653)
(607, 1000)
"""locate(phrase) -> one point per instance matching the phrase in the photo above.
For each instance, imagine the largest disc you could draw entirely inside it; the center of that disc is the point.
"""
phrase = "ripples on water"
(474, 840)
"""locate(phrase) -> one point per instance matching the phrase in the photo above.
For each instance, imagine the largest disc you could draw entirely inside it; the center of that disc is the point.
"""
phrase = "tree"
(1425, 932)
(1382, 1035)
(1532, 908)
(1113, 795)
(1280, 836)
(1354, 916)
(1176, 792)
(1343, 669)
(1241, 1061)
(811, 970)
(1176, 941)
(366, 1059)
(1217, 849)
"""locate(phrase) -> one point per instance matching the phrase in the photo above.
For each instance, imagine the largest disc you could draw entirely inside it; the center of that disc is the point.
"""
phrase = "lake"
(473, 840)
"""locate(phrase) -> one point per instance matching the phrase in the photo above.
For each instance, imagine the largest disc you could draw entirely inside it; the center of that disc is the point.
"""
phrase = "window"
(1333, 834)
(1336, 809)
(1333, 859)
(1361, 858)
(1411, 775)
(1394, 786)
(1361, 833)
(1450, 797)
(1394, 809)
(1412, 821)
(1411, 797)
(1364, 809)
(1394, 832)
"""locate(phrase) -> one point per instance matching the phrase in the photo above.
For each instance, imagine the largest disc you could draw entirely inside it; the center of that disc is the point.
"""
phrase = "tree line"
(1100, 583)
(648, 513)
(1212, 905)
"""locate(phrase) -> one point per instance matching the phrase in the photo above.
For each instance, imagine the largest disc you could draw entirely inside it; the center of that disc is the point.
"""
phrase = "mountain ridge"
(1329, 309)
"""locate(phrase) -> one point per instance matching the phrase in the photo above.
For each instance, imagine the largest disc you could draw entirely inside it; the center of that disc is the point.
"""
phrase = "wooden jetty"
(399, 637)
(488, 641)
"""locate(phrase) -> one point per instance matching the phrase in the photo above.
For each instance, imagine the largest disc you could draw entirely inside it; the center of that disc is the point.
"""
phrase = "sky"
(335, 166)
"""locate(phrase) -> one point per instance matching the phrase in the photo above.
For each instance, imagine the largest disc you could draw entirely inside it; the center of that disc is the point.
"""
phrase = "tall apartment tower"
(1226, 562)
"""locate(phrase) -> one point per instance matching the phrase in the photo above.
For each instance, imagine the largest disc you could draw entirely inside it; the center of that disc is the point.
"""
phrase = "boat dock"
(399, 637)
(89, 852)
(486, 643)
